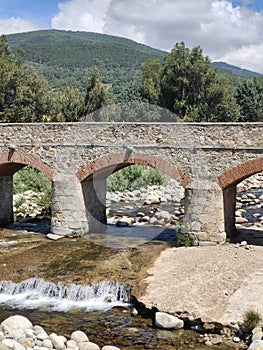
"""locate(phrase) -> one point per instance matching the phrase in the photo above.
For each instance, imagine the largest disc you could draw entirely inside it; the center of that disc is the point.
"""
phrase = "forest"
(49, 76)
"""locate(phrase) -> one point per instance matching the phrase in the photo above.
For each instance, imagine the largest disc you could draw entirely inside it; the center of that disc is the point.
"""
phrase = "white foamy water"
(38, 293)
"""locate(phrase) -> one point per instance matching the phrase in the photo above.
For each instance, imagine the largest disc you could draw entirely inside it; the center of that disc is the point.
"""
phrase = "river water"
(77, 283)
(37, 268)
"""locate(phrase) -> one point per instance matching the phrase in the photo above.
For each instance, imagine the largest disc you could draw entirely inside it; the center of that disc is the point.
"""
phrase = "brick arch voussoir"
(27, 159)
(237, 174)
(117, 161)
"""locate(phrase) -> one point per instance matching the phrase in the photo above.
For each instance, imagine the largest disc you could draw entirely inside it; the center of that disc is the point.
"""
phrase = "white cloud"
(86, 15)
(16, 25)
(221, 29)
(248, 57)
(233, 34)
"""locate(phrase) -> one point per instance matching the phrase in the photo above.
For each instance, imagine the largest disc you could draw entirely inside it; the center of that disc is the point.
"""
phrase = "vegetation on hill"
(86, 71)
(65, 57)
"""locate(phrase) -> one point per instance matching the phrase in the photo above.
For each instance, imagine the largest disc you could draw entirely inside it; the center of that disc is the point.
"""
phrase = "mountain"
(235, 70)
(66, 58)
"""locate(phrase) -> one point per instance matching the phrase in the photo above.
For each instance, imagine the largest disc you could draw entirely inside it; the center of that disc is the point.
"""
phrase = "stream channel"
(66, 285)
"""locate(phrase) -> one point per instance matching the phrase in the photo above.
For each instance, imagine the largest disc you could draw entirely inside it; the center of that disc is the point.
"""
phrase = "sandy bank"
(216, 283)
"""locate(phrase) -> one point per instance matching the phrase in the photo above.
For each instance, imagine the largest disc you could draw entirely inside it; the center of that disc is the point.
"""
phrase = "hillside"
(235, 69)
(66, 58)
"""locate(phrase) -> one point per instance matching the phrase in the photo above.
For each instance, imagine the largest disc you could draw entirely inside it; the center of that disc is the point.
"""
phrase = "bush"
(251, 320)
(134, 177)
(19, 202)
(183, 238)
(29, 178)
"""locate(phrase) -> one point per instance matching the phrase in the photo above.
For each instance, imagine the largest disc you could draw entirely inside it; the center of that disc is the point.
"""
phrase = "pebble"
(236, 339)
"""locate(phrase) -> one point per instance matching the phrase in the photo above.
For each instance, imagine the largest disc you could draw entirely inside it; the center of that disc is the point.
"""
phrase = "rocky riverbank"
(249, 203)
(18, 333)
(156, 205)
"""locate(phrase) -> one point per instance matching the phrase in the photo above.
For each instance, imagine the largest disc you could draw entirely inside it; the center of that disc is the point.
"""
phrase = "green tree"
(249, 97)
(131, 93)
(71, 104)
(23, 93)
(96, 95)
(30, 97)
(151, 81)
(190, 87)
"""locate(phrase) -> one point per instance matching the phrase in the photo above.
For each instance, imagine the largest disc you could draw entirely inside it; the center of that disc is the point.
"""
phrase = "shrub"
(183, 238)
(19, 202)
(134, 177)
(251, 320)
(29, 178)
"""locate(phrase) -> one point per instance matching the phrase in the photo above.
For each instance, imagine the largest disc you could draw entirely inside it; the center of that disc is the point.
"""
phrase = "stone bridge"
(208, 160)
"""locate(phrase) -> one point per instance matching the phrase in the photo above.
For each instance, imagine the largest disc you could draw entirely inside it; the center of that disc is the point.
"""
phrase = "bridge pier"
(6, 200)
(204, 211)
(68, 210)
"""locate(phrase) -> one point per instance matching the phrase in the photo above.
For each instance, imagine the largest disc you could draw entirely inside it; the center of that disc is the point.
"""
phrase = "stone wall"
(205, 158)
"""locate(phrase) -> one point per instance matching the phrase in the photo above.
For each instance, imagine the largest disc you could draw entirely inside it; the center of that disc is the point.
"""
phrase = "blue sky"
(225, 30)
(255, 4)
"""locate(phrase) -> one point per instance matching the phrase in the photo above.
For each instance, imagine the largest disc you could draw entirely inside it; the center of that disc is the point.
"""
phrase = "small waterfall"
(36, 292)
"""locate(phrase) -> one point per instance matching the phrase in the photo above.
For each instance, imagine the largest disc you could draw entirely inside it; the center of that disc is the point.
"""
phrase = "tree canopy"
(183, 85)
(249, 96)
(189, 86)
(23, 93)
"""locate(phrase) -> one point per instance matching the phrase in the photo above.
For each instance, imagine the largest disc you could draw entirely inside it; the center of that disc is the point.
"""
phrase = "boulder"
(71, 344)
(26, 342)
(18, 346)
(16, 322)
(16, 333)
(88, 346)
(57, 341)
(240, 220)
(257, 336)
(167, 321)
(125, 221)
(3, 347)
(47, 343)
(54, 237)
(79, 336)
(256, 345)
(152, 199)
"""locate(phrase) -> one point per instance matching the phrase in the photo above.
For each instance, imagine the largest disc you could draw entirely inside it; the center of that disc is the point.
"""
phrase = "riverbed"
(26, 255)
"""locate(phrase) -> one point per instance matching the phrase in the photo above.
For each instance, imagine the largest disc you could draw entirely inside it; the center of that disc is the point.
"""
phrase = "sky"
(229, 31)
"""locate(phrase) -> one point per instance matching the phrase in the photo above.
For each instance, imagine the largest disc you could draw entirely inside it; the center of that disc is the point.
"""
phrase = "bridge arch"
(10, 163)
(110, 163)
(240, 172)
(228, 181)
(92, 177)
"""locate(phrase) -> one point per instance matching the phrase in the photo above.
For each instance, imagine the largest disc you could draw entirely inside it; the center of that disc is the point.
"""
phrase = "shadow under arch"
(10, 163)
(93, 175)
(228, 181)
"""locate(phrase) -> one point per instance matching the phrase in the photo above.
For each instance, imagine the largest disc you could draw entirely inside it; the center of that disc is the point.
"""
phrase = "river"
(81, 262)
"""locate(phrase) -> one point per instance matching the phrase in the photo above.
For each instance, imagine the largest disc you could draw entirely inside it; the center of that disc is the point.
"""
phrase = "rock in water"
(53, 236)
(167, 321)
